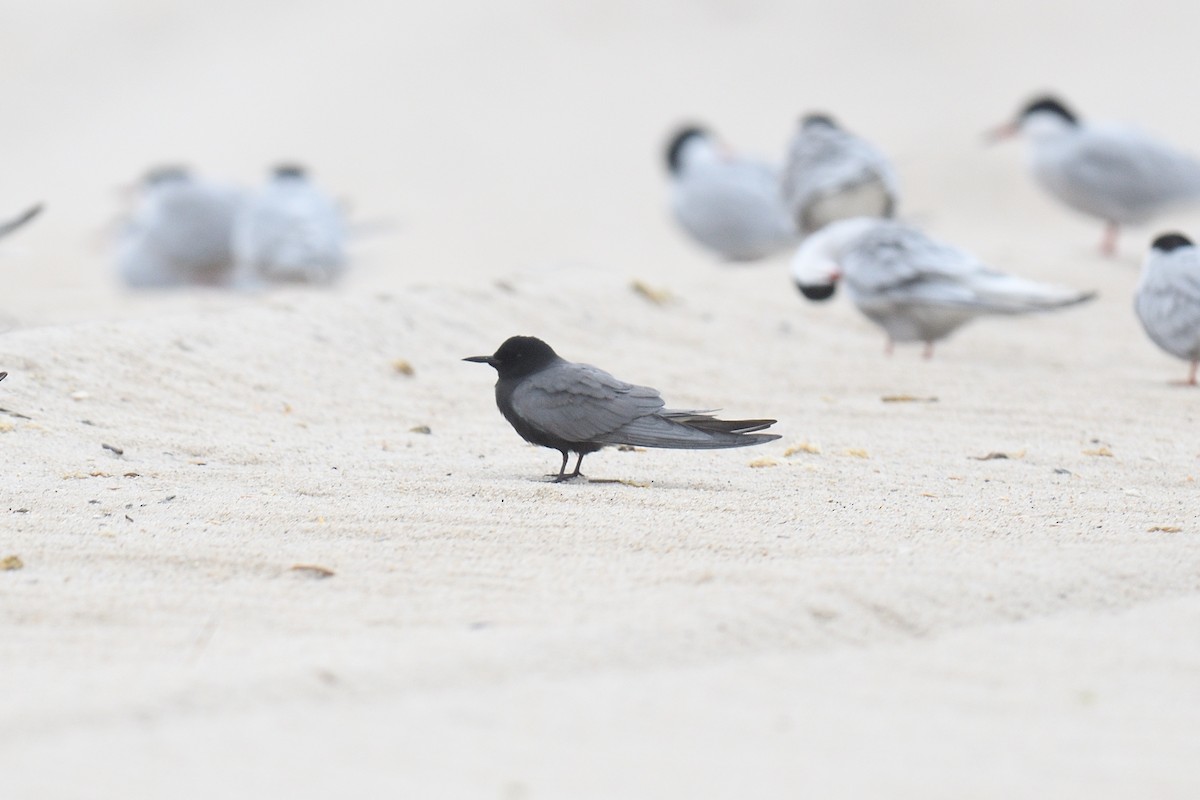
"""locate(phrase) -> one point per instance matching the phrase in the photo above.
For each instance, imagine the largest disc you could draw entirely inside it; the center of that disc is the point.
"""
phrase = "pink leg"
(1191, 378)
(1108, 245)
(888, 348)
(928, 354)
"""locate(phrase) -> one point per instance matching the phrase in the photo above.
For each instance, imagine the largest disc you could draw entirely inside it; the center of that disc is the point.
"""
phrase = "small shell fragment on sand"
(113, 449)
(803, 447)
(420, 429)
(1099, 451)
(658, 297)
(312, 570)
(996, 455)
(907, 398)
(9, 563)
(1164, 529)
(80, 395)
(759, 463)
(403, 367)
(857, 452)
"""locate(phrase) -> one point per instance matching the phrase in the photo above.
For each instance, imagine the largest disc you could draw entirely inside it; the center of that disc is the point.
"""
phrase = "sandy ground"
(884, 617)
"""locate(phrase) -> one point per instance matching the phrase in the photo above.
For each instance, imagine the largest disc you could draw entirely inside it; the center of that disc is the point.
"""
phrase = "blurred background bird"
(180, 232)
(1115, 173)
(726, 202)
(290, 231)
(831, 174)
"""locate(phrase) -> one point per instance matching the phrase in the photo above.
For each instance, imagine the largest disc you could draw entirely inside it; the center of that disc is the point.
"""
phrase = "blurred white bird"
(1115, 173)
(290, 231)
(832, 174)
(1167, 300)
(729, 204)
(180, 232)
(915, 288)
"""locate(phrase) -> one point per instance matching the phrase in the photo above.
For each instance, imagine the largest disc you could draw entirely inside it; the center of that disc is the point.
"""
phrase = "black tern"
(578, 408)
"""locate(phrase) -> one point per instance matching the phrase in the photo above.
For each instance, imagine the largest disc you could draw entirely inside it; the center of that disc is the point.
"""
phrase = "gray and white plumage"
(180, 232)
(572, 407)
(1167, 299)
(916, 288)
(1115, 173)
(730, 204)
(290, 231)
(831, 174)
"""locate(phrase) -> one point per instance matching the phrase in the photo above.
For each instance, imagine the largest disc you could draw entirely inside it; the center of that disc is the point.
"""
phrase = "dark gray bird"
(578, 408)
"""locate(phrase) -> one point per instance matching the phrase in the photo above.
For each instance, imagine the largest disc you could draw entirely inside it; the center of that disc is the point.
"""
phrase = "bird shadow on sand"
(633, 483)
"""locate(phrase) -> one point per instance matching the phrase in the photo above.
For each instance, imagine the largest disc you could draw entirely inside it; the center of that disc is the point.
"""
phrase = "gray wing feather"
(580, 403)
(1123, 175)
(686, 429)
(898, 264)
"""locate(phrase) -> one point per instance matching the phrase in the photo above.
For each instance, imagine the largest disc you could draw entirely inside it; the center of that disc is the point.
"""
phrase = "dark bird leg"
(562, 471)
(1108, 245)
(579, 463)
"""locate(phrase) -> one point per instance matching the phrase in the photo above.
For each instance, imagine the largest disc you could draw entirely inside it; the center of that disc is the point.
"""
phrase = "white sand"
(913, 623)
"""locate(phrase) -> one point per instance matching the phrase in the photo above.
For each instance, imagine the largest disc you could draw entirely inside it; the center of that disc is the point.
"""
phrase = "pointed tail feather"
(691, 430)
(1008, 294)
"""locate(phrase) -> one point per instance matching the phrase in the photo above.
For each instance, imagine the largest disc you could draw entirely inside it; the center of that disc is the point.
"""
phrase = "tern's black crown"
(522, 355)
(675, 146)
(1051, 105)
(817, 293)
(814, 119)
(290, 170)
(1171, 241)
